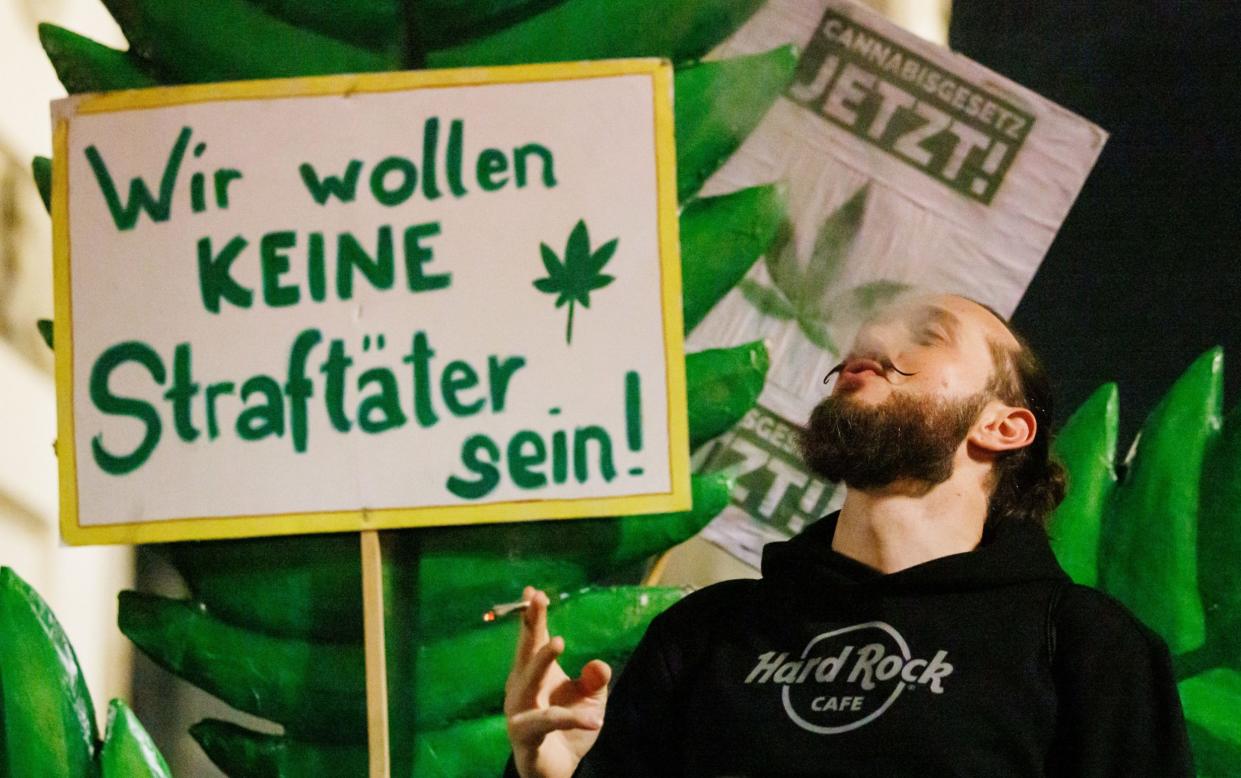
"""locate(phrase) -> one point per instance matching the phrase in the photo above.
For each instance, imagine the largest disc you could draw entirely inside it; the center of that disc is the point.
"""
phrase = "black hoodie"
(985, 663)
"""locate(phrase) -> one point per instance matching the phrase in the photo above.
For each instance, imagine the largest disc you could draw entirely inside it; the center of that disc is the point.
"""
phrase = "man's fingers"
(530, 677)
(535, 617)
(530, 727)
(595, 675)
(533, 635)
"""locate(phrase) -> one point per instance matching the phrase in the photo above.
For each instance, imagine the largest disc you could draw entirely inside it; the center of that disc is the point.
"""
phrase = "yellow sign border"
(171, 529)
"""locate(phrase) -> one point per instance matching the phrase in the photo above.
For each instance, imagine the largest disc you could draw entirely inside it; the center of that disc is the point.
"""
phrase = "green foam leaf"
(1149, 554)
(1086, 446)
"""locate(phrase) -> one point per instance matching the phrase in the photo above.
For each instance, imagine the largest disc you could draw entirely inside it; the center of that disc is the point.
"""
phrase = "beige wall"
(79, 584)
(926, 18)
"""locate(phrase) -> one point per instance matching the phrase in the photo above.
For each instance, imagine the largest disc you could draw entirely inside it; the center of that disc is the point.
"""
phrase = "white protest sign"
(907, 166)
(360, 302)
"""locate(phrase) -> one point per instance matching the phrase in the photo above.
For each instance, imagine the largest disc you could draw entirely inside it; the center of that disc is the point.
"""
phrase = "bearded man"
(923, 629)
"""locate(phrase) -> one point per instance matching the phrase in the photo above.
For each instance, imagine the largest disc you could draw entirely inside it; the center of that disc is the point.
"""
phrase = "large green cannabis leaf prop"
(47, 719)
(273, 626)
(1165, 539)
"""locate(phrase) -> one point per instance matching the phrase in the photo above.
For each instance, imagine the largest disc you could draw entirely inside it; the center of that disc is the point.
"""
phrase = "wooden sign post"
(376, 655)
(353, 303)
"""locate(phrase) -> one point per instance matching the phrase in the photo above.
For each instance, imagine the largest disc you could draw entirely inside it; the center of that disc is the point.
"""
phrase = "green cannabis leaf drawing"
(802, 295)
(574, 279)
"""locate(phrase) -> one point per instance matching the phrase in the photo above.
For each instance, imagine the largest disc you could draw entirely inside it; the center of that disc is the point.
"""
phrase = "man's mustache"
(883, 361)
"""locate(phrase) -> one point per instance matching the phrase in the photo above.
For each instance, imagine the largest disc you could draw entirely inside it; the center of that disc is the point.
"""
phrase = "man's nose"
(877, 341)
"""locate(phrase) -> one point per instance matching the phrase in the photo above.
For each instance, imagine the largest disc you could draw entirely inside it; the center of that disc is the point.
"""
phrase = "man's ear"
(1003, 427)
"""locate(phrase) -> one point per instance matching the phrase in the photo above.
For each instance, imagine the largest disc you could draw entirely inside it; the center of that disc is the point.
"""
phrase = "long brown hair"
(1027, 483)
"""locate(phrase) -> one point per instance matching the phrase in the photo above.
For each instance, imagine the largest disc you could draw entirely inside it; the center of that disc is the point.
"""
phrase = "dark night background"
(1144, 275)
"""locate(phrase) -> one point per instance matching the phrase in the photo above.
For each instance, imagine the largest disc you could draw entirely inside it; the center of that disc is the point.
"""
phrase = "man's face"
(910, 390)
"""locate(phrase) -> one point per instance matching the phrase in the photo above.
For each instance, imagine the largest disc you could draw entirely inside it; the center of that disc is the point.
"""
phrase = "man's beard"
(907, 439)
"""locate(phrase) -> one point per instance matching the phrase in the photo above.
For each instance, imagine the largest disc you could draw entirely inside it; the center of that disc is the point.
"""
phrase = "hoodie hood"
(1014, 553)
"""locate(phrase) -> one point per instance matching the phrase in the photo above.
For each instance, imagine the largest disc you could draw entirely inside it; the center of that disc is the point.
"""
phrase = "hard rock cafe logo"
(847, 678)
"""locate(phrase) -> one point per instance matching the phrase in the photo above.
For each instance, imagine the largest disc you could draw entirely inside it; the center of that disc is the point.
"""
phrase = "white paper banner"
(907, 166)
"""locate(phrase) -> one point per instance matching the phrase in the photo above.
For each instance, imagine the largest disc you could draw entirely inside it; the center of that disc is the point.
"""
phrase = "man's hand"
(553, 720)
